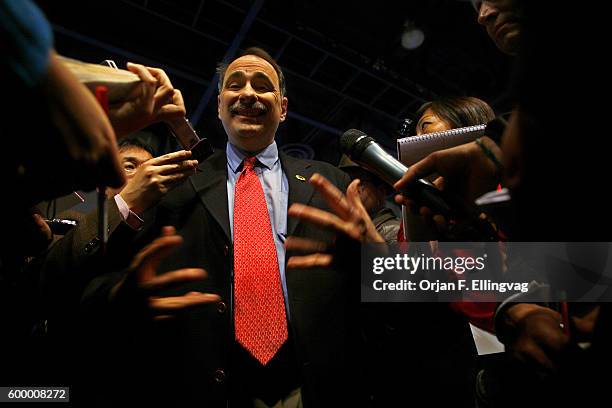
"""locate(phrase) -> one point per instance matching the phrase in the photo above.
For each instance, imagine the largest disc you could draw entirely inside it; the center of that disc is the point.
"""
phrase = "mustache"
(240, 106)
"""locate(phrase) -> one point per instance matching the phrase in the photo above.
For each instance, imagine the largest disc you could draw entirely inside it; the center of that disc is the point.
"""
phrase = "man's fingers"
(185, 165)
(168, 230)
(360, 213)
(42, 226)
(410, 204)
(164, 241)
(174, 179)
(353, 197)
(440, 182)
(162, 96)
(319, 217)
(310, 261)
(175, 109)
(361, 218)
(170, 278)
(160, 75)
(334, 197)
(143, 73)
(403, 200)
(173, 304)
(174, 157)
(146, 261)
(304, 245)
(163, 93)
(177, 99)
(146, 90)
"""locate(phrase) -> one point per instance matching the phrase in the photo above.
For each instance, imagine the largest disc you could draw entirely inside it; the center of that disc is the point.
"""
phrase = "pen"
(564, 313)
(102, 97)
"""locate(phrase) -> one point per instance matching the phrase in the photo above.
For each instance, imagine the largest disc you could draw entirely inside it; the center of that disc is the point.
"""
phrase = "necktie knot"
(249, 163)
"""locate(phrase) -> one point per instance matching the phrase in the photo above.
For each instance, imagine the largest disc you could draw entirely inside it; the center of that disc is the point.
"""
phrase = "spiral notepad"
(414, 148)
(119, 82)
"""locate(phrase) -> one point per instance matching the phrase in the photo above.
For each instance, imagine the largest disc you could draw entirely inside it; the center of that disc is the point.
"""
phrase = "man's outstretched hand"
(349, 217)
(141, 282)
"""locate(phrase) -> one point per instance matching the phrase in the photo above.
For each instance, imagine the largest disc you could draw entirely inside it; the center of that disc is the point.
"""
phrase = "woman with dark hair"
(452, 112)
(460, 358)
(436, 116)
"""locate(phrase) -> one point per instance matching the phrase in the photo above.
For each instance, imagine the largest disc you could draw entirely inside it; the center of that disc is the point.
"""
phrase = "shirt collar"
(267, 157)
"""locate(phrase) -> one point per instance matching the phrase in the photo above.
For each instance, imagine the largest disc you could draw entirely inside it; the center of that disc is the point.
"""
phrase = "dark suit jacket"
(70, 262)
(72, 252)
(191, 356)
(62, 274)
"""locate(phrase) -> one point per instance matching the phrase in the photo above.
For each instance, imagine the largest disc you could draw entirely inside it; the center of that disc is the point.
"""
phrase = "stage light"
(412, 37)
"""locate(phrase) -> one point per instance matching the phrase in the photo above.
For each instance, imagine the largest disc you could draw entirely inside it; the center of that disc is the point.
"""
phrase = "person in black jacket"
(195, 358)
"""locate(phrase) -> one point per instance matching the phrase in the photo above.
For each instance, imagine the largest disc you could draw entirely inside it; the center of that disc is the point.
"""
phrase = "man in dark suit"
(272, 336)
(67, 266)
(67, 261)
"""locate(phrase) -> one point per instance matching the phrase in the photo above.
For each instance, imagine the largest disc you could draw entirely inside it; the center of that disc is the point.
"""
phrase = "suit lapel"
(298, 173)
(210, 184)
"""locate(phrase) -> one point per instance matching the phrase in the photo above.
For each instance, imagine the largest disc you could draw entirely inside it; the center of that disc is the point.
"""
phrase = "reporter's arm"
(465, 170)
(155, 177)
(84, 127)
(154, 100)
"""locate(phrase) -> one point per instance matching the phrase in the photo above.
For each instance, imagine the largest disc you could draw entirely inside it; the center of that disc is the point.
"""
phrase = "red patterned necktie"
(259, 313)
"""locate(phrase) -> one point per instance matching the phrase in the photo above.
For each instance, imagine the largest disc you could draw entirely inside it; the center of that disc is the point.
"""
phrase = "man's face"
(131, 158)
(250, 103)
(501, 18)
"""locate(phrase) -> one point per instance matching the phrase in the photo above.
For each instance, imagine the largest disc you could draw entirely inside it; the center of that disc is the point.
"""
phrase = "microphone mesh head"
(348, 140)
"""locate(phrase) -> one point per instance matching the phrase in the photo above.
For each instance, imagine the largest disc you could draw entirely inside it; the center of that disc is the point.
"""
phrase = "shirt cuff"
(129, 217)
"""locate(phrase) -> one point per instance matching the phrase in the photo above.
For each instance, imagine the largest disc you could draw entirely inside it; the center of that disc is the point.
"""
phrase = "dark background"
(343, 60)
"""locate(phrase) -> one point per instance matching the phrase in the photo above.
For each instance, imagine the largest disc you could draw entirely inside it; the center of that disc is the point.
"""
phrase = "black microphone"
(364, 150)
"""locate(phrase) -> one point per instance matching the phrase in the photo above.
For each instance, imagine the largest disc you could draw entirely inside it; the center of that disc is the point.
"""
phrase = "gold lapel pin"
(299, 177)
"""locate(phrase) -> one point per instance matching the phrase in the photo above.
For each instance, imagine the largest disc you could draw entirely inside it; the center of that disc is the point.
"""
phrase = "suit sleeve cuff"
(129, 217)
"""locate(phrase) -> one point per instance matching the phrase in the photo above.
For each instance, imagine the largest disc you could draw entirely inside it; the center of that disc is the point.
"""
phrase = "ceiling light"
(412, 37)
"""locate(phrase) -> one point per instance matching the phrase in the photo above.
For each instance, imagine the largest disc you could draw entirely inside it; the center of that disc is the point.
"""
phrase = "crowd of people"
(234, 281)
